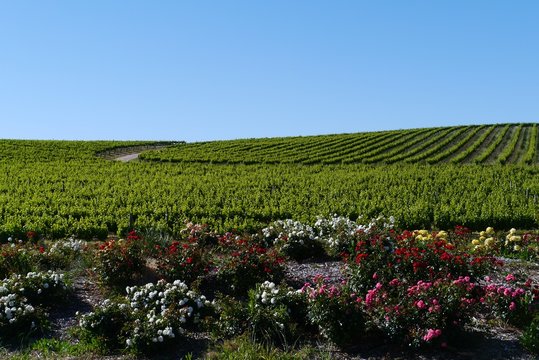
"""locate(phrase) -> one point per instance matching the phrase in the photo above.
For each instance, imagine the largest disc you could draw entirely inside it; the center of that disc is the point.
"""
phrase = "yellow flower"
(515, 238)
(490, 242)
(517, 248)
(490, 230)
(482, 234)
(442, 235)
(476, 242)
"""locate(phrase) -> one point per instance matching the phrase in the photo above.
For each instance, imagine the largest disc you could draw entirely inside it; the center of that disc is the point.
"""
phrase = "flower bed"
(409, 288)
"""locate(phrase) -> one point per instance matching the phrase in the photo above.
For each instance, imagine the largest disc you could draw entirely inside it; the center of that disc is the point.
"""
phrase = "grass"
(244, 347)
(55, 349)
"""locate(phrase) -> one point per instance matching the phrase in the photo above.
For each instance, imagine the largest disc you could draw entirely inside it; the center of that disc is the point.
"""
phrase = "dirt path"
(130, 153)
(128, 157)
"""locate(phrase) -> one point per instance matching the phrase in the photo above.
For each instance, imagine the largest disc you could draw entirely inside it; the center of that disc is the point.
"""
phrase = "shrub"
(62, 254)
(17, 259)
(293, 239)
(411, 257)
(510, 302)
(245, 263)
(108, 323)
(41, 288)
(272, 314)
(120, 262)
(416, 314)
(335, 310)
(147, 317)
(340, 234)
(22, 299)
(182, 260)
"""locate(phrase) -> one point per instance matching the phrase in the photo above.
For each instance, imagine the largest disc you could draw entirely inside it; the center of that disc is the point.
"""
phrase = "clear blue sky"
(200, 70)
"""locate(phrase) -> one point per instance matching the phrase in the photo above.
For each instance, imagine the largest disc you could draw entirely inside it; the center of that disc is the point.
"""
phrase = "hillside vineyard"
(476, 176)
(485, 144)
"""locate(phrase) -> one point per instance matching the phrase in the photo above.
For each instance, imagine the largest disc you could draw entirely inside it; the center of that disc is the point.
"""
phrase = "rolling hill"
(474, 144)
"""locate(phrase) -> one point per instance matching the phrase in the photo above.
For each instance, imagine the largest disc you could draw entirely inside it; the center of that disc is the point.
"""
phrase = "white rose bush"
(147, 317)
(24, 300)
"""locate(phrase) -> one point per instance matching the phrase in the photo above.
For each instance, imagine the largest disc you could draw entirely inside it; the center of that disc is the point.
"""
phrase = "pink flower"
(512, 306)
(420, 304)
(510, 277)
(431, 334)
(375, 276)
(369, 298)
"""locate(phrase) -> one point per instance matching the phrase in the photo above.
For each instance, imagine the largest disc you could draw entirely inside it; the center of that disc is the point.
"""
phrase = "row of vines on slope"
(460, 144)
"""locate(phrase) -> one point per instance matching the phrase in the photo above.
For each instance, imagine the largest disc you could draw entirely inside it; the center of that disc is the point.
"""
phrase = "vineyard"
(60, 188)
(494, 144)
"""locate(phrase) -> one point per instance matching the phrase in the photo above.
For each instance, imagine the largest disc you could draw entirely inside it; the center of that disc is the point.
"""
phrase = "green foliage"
(530, 337)
(244, 263)
(294, 239)
(244, 347)
(413, 146)
(188, 259)
(120, 263)
(147, 318)
(336, 311)
(24, 299)
(17, 259)
(56, 189)
(272, 314)
(56, 349)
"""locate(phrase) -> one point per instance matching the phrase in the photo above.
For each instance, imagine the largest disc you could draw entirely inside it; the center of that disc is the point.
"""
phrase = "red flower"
(360, 257)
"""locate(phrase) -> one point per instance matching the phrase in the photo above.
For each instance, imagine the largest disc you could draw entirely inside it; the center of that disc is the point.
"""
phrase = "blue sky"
(202, 70)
